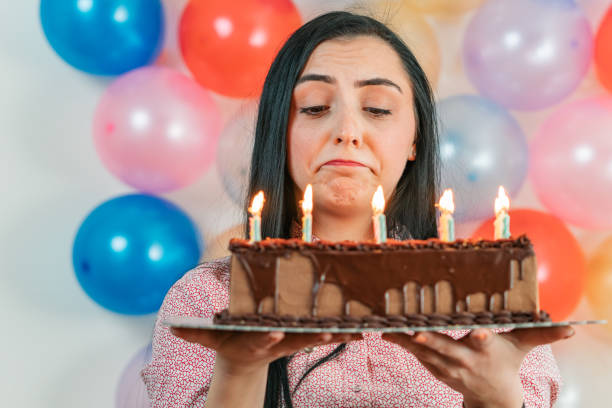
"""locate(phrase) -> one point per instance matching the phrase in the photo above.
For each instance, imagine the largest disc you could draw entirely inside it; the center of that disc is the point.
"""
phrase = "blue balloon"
(131, 249)
(481, 147)
(104, 37)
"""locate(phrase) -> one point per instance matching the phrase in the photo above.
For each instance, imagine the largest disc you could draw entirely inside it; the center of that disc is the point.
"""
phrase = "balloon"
(131, 249)
(234, 153)
(603, 50)
(414, 31)
(527, 54)
(156, 129)
(447, 7)
(599, 282)
(104, 37)
(229, 45)
(571, 163)
(561, 262)
(131, 391)
(481, 147)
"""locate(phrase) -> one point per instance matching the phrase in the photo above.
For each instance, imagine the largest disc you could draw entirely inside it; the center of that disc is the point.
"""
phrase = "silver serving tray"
(207, 324)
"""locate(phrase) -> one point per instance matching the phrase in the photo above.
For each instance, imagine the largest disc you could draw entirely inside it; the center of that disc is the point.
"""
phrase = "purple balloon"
(571, 163)
(527, 54)
(156, 129)
(131, 391)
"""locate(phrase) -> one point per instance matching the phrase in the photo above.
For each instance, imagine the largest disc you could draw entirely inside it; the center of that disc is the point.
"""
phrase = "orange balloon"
(443, 7)
(229, 45)
(603, 50)
(414, 31)
(599, 282)
(561, 262)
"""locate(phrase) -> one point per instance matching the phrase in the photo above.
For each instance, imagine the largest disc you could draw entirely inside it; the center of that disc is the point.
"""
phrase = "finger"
(294, 342)
(420, 351)
(254, 341)
(207, 338)
(444, 345)
(268, 340)
(401, 339)
(479, 339)
(526, 339)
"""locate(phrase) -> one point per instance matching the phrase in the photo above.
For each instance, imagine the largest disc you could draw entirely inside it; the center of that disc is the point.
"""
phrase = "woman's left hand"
(483, 366)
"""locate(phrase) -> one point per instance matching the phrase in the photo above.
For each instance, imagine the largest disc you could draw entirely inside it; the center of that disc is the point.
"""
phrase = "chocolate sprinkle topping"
(374, 321)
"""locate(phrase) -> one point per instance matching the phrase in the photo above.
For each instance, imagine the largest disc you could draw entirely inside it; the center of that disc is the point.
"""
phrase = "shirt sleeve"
(540, 378)
(180, 372)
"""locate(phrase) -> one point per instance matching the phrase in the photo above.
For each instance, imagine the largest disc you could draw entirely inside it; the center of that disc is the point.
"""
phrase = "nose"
(347, 130)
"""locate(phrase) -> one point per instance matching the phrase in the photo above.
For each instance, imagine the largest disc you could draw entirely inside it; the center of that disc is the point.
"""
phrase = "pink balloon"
(571, 163)
(156, 129)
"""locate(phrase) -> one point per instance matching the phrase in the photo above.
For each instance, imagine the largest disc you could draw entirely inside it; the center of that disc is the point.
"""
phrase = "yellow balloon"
(218, 246)
(599, 282)
(444, 7)
(414, 31)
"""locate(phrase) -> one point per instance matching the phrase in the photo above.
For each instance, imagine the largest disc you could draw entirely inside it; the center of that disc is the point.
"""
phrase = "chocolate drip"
(470, 266)
(261, 272)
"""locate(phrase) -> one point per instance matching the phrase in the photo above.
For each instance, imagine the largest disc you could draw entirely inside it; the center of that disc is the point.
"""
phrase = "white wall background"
(60, 349)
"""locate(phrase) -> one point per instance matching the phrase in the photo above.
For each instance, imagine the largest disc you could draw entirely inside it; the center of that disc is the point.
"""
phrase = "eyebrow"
(358, 84)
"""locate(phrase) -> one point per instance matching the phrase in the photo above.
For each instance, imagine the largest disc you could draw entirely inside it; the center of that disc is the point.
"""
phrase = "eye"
(314, 110)
(377, 111)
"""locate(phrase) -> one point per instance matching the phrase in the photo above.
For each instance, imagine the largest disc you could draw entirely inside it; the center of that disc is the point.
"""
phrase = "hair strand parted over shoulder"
(411, 209)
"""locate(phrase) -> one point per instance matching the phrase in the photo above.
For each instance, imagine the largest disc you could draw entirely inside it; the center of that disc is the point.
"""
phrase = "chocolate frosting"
(471, 266)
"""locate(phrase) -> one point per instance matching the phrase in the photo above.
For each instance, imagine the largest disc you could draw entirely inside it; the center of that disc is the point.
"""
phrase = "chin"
(343, 195)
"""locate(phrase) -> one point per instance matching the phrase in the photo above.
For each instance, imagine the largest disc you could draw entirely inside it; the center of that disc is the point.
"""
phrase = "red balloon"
(561, 262)
(603, 50)
(229, 45)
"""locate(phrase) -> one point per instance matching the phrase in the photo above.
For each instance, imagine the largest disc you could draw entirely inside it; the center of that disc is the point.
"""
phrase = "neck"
(330, 227)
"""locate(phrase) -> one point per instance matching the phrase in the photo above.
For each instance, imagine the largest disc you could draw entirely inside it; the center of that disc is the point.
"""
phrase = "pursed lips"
(338, 162)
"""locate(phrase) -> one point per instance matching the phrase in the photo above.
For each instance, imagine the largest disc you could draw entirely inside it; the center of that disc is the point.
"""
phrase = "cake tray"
(207, 324)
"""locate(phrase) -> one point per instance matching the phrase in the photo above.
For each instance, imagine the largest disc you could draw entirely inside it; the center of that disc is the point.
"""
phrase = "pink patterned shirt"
(368, 373)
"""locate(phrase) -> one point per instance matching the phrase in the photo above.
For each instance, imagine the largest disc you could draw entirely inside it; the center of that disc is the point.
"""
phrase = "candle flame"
(447, 203)
(378, 201)
(257, 204)
(307, 202)
(502, 202)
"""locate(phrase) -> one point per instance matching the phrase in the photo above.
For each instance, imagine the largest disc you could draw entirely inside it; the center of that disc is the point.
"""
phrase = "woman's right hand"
(244, 352)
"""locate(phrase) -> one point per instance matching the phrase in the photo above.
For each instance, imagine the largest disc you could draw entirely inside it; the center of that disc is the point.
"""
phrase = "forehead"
(358, 57)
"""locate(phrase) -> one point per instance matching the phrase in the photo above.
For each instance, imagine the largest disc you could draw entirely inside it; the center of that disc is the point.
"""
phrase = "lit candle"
(502, 219)
(255, 218)
(307, 215)
(380, 223)
(446, 227)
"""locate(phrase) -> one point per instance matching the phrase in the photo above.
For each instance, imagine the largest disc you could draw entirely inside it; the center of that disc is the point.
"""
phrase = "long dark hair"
(410, 210)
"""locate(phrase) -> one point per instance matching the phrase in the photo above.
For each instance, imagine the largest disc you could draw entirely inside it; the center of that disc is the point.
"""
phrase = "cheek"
(394, 157)
(300, 154)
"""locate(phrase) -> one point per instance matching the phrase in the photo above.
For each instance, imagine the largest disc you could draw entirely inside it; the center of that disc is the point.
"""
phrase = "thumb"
(526, 339)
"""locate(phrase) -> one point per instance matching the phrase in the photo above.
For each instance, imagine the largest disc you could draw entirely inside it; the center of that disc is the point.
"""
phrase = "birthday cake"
(290, 282)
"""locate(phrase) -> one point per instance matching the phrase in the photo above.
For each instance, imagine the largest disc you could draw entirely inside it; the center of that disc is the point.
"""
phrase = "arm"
(186, 371)
(180, 373)
(490, 370)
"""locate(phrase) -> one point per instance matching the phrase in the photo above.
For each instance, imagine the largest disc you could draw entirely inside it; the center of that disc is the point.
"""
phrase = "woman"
(345, 107)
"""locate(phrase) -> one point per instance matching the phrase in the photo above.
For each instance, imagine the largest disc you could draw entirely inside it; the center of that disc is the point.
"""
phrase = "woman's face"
(352, 123)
